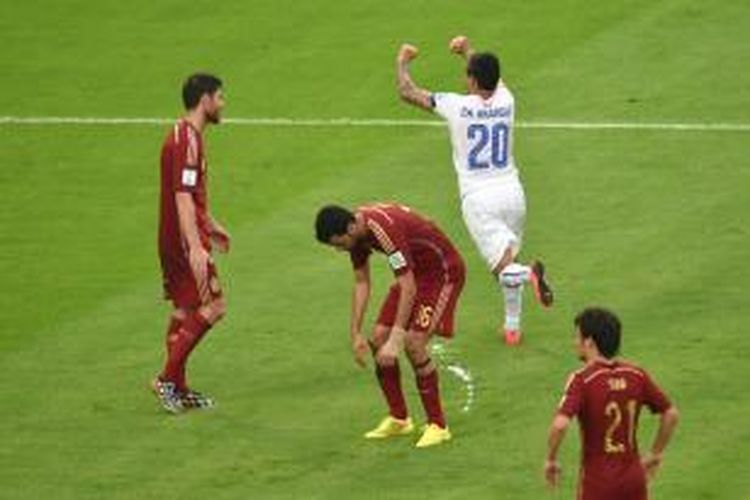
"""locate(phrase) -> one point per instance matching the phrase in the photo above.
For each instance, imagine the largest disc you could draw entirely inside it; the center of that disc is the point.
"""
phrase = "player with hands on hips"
(607, 396)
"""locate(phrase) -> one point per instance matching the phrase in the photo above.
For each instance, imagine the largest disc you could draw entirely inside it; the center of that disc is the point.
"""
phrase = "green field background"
(653, 223)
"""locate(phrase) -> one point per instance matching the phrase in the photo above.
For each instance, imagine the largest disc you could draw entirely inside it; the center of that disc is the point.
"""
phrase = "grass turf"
(650, 223)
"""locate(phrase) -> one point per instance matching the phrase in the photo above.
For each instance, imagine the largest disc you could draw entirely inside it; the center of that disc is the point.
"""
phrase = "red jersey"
(607, 398)
(183, 169)
(410, 241)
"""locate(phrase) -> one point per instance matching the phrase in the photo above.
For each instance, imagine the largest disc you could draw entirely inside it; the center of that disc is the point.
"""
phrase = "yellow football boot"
(433, 435)
(391, 427)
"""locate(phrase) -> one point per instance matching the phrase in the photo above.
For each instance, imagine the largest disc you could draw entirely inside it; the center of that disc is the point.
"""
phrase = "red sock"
(171, 340)
(198, 327)
(390, 383)
(172, 331)
(181, 343)
(430, 394)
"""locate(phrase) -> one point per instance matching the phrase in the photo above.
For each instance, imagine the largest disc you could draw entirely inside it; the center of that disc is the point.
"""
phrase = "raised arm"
(460, 45)
(407, 89)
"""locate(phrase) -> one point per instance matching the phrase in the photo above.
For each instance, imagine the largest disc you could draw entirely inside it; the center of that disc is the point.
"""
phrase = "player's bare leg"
(397, 423)
(436, 430)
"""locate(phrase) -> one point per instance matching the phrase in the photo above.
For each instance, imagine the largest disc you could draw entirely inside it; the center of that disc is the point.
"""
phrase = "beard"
(213, 117)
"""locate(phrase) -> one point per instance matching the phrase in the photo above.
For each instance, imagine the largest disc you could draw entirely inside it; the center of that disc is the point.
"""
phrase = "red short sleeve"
(392, 240)
(654, 397)
(185, 159)
(572, 401)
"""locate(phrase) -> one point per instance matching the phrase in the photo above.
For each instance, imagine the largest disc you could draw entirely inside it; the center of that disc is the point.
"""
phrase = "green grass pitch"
(651, 223)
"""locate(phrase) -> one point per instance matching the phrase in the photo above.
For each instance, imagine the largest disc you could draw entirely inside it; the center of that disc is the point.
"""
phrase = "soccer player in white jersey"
(492, 198)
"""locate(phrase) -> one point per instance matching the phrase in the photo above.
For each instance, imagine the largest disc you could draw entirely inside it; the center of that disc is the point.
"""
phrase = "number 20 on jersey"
(482, 137)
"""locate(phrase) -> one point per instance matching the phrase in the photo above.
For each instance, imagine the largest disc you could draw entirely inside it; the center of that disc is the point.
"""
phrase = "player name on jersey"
(485, 113)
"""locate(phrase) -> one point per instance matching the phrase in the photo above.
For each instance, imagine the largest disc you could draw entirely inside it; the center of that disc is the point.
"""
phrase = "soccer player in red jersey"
(429, 277)
(187, 235)
(606, 396)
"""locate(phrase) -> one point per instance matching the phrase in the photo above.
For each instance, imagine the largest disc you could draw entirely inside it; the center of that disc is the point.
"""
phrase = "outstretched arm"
(407, 89)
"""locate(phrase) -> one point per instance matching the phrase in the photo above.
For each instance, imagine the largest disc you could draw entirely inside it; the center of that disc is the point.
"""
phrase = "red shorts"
(434, 306)
(626, 484)
(180, 286)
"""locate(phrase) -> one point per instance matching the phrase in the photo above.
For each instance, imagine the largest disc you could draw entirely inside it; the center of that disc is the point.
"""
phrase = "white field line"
(374, 122)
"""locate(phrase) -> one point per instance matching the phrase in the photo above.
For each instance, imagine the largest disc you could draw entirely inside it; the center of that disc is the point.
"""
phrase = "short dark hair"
(485, 68)
(196, 86)
(332, 220)
(603, 326)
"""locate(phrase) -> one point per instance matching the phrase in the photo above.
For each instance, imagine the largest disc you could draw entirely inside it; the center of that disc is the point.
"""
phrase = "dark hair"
(485, 68)
(603, 327)
(332, 220)
(196, 86)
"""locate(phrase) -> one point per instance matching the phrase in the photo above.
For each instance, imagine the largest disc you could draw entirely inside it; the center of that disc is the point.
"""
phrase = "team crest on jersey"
(397, 261)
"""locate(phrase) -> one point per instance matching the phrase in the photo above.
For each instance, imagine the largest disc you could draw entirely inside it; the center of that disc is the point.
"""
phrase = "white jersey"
(481, 135)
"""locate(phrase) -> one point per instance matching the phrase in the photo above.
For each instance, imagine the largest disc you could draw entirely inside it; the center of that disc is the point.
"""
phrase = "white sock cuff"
(514, 274)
